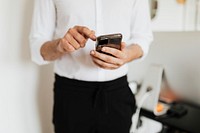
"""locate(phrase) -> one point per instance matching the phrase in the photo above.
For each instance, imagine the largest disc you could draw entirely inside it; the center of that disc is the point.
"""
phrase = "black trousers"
(92, 107)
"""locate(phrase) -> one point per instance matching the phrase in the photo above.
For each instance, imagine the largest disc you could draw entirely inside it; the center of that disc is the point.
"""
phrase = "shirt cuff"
(36, 56)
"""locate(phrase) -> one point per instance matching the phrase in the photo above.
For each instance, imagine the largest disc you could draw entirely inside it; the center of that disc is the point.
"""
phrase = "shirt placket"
(99, 31)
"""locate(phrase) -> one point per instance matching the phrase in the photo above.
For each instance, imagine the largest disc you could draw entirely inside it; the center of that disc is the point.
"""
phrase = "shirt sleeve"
(43, 27)
(141, 32)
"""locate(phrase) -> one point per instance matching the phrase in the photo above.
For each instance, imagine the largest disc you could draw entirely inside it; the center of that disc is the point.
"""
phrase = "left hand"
(119, 58)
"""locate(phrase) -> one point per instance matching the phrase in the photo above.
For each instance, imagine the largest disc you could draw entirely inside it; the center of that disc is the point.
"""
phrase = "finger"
(113, 51)
(79, 38)
(86, 32)
(64, 46)
(72, 41)
(103, 64)
(107, 58)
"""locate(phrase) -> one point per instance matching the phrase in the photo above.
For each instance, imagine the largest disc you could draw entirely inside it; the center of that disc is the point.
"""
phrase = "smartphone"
(109, 40)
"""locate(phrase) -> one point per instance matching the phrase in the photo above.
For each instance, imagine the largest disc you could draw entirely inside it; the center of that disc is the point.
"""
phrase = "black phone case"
(110, 40)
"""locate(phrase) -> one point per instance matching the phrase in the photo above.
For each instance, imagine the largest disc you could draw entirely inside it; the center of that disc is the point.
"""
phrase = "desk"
(189, 122)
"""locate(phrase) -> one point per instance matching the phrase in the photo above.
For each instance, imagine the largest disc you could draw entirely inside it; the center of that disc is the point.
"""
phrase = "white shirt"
(52, 19)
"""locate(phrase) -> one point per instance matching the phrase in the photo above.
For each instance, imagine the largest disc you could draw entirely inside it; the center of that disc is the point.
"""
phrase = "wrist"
(49, 50)
(134, 51)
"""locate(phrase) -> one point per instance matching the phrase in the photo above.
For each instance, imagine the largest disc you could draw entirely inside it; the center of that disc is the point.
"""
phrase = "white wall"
(25, 89)
(173, 16)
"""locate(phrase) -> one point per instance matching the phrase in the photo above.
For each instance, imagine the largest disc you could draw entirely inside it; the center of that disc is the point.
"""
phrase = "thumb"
(123, 46)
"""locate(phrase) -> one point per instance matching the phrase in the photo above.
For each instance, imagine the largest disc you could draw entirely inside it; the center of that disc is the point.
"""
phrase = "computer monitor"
(179, 54)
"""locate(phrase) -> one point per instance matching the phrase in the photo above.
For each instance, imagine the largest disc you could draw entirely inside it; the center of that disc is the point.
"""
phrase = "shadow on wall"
(44, 93)
(26, 24)
(45, 97)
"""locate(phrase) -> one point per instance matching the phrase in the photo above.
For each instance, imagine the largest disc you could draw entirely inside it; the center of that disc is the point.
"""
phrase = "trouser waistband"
(90, 85)
(100, 89)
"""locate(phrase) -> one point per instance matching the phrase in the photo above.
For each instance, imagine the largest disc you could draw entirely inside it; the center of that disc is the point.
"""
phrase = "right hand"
(75, 38)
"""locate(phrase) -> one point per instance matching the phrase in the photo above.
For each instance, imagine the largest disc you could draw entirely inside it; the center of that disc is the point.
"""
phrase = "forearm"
(49, 50)
(134, 52)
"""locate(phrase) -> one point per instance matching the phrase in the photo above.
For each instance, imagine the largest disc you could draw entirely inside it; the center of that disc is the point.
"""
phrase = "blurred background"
(26, 95)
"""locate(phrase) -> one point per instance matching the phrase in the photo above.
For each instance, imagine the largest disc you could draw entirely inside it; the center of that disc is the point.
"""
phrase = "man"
(91, 93)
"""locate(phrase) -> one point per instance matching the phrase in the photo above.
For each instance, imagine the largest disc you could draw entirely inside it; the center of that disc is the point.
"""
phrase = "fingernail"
(92, 52)
(93, 34)
(94, 37)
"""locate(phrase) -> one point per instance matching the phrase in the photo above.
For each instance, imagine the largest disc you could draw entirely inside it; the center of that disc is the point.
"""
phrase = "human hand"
(119, 58)
(75, 38)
